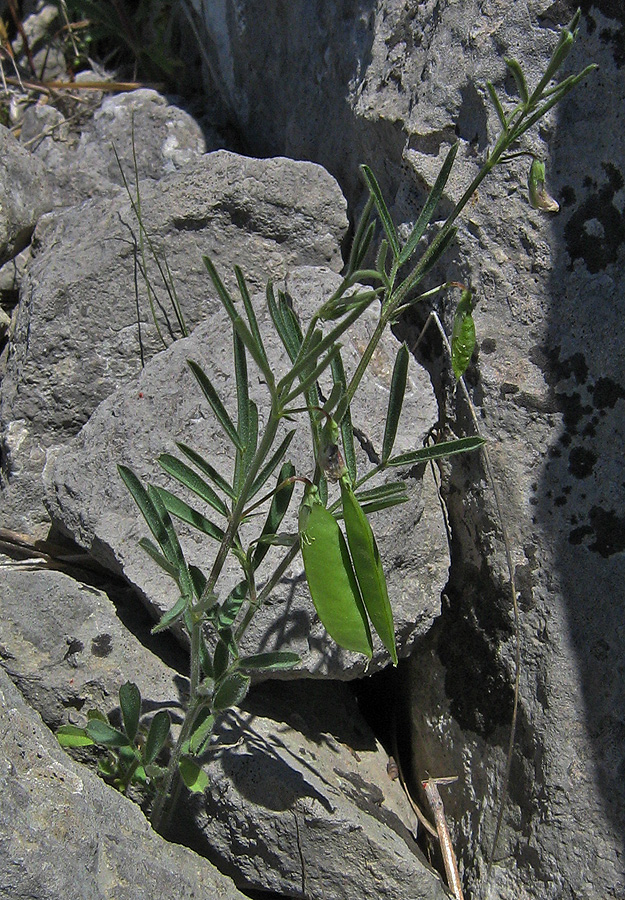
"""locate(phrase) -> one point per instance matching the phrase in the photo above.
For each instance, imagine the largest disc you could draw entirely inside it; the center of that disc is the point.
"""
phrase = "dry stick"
(515, 608)
(46, 87)
(447, 851)
(415, 806)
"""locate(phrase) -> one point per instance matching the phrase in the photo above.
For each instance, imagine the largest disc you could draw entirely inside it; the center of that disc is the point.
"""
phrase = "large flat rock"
(87, 499)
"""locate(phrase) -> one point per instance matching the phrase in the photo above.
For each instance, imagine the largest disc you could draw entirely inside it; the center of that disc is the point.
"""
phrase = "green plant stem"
(160, 807)
(237, 513)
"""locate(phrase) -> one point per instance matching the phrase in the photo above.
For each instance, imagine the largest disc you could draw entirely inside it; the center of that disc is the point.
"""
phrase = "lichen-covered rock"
(404, 80)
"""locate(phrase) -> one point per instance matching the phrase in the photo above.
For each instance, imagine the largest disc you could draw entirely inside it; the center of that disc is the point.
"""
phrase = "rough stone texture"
(87, 499)
(82, 329)
(65, 835)
(300, 801)
(82, 162)
(71, 652)
(295, 772)
(24, 195)
(402, 80)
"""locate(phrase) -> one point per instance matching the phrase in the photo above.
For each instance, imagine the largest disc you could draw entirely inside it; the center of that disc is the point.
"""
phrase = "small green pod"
(331, 580)
(368, 568)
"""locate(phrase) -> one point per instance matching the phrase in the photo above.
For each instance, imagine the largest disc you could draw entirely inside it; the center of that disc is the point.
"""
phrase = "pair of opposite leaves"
(347, 586)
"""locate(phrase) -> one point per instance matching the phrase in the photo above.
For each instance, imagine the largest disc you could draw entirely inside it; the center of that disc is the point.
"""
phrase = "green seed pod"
(331, 580)
(368, 568)
(462, 335)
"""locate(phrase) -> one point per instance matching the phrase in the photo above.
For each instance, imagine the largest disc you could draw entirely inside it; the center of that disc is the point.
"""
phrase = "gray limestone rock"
(92, 159)
(65, 835)
(24, 195)
(87, 499)
(68, 651)
(300, 801)
(299, 787)
(402, 81)
(85, 326)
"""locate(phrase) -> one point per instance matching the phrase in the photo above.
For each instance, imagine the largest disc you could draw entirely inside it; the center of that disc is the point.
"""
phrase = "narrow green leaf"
(363, 247)
(194, 777)
(148, 510)
(395, 400)
(177, 556)
(284, 333)
(436, 451)
(276, 458)
(492, 93)
(429, 208)
(202, 733)
(191, 480)
(380, 205)
(172, 615)
(229, 609)
(337, 392)
(252, 439)
(215, 403)
(231, 691)
(73, 736)
(380, 260)
(242, 387)
(382, 492)
(306, 383)
(249, 310)
(157, 736)
(519, 77)
(130, 705)
(221, 659)
(220, 287)
(291, 324)
(427, 262)
(270, 662)
(186, 513)
(347, 431)
(373, 506)
(561, 51)
(204, 466)
(153, 551)
(277, 510)
(255, 351)
(105, 735)
(362, 238)
(198, 580)
(462, 335)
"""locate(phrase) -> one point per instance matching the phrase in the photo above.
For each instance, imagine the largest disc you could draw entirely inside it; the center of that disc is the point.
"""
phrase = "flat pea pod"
(368, 568)
(331, 580)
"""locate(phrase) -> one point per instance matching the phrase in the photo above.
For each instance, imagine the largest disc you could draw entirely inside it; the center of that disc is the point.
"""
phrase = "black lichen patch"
(581, 462)
(473, 625)
(101, 645)
(606, 392)
(596, 230)
(608, 530)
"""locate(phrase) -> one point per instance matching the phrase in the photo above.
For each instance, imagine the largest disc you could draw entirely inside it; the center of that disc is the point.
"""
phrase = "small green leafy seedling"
(132, 750)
